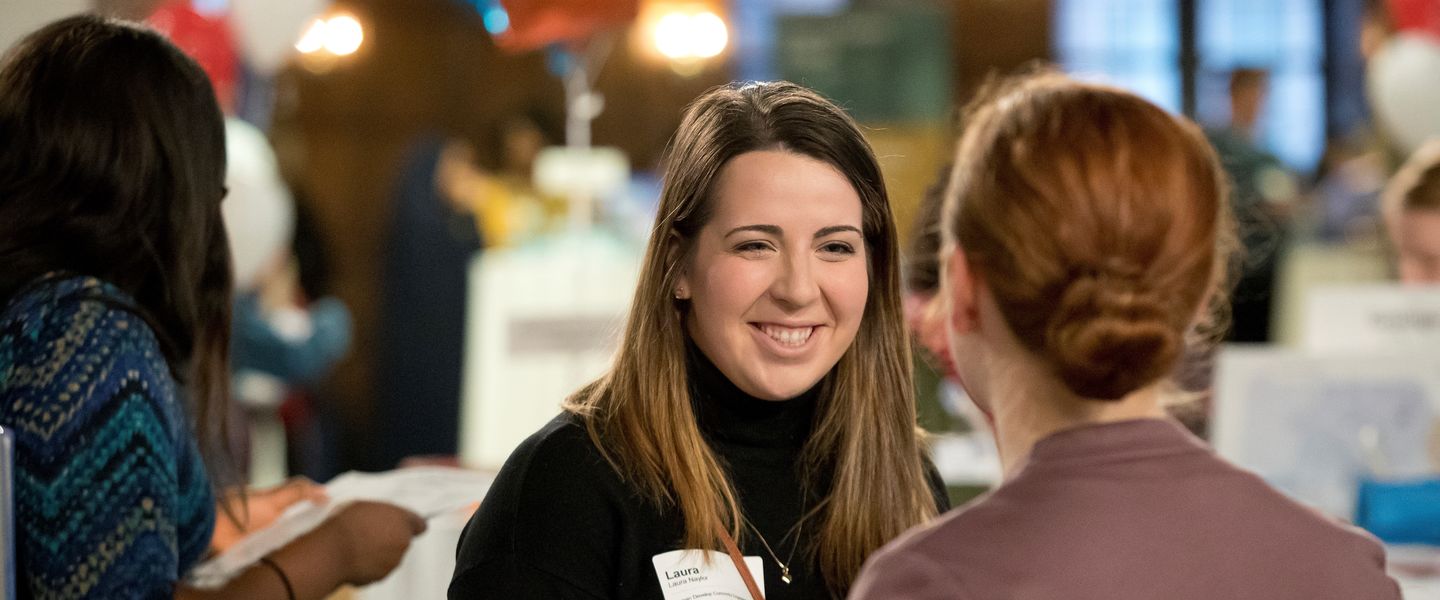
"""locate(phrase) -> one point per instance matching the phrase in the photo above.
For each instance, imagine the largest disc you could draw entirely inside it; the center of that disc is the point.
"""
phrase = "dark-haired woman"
(114, 323)
(1083, 234)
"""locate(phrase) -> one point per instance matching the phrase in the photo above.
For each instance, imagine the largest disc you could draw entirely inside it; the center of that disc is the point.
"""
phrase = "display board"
(543, 321)
(1313, 426)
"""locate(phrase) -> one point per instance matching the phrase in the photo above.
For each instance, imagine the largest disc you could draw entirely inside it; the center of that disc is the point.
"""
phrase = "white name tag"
(685, 575)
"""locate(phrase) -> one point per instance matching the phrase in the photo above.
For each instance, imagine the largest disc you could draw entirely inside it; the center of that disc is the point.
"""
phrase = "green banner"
(891, 65)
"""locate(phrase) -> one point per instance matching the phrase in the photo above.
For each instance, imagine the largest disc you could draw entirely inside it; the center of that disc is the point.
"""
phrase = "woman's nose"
(795, 285)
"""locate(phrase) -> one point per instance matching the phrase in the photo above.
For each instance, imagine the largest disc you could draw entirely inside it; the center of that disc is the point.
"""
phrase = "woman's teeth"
(788, 336)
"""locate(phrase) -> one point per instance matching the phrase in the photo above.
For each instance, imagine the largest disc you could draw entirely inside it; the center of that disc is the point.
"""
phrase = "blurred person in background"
(1411, 208)
(447, 209)
(311, 418)
(1263, 193)
(281, 342)
(934, 372)
(761, 390)
(114, 333)
(273, 332)
(433, 239)
(1084, 233)
(508, 207)
(1346, 191)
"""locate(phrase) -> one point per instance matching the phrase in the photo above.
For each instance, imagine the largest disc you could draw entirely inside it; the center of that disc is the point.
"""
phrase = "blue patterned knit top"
(111, 495)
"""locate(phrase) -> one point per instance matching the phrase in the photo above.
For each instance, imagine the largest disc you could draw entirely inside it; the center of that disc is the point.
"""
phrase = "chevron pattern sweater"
(112, 499)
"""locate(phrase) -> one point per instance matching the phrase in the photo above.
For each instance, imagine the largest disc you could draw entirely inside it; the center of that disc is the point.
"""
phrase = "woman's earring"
(680, 293)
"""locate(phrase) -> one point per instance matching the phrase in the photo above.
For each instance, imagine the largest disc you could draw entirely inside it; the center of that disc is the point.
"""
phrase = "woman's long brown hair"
(865, 441)
(112, 165)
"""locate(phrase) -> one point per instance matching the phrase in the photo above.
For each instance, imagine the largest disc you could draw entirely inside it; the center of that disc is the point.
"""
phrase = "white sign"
(1371, 319)
(593, 172)
(705, 575)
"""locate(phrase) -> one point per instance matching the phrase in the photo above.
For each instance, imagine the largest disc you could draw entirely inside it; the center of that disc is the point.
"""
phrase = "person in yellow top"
(507, 207)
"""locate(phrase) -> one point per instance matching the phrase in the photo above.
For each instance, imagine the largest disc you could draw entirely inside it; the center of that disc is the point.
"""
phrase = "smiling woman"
(778, 281)
(761, 394)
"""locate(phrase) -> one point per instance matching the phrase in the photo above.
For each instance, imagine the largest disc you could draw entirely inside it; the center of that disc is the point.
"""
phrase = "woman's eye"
(754, 247)
(840, 248)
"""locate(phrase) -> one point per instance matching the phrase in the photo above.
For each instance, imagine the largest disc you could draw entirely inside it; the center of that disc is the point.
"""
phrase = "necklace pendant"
(785, 575)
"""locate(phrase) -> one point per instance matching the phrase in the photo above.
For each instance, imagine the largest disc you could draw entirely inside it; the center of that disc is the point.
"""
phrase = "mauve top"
(1137, 509)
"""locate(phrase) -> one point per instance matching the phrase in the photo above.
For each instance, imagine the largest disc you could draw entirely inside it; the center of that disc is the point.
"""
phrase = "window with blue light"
(755, 30)
(1134, 44)
(1284, 38)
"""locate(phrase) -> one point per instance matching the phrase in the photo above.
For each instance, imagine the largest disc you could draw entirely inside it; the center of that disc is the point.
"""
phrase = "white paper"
(425, 491)
(705, 575)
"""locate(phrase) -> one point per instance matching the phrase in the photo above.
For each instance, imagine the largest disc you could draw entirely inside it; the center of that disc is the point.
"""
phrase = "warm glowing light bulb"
(689, 36)
(672, 35)
(343, 35)
(314, 38)
(707, 35)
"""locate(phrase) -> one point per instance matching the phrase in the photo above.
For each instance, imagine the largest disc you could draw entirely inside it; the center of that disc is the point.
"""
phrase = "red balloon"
(1416, 15)
(208, 41)
(539, 23)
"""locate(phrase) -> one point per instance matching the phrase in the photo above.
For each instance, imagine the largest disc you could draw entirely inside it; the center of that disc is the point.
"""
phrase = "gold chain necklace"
(784, 567)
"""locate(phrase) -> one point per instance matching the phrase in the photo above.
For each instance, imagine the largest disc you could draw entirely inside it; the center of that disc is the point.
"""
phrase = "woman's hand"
(259, 509)
(361, 543)
(371, 538)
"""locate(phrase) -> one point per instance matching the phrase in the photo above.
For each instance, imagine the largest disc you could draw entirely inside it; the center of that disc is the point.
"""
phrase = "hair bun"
(1108, 336)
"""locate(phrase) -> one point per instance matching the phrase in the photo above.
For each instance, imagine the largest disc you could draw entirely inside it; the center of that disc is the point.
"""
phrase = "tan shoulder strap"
(739, 560)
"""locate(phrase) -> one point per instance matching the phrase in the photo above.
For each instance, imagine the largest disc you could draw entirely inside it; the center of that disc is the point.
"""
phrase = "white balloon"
(267, 30)
(259, 211)
(20, 17)
(1404, 85)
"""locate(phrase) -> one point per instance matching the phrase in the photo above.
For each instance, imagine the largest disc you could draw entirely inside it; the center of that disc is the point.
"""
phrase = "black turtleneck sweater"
(560, 524)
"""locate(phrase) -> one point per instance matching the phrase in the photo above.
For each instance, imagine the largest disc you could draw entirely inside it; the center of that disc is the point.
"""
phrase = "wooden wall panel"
(997, 36)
